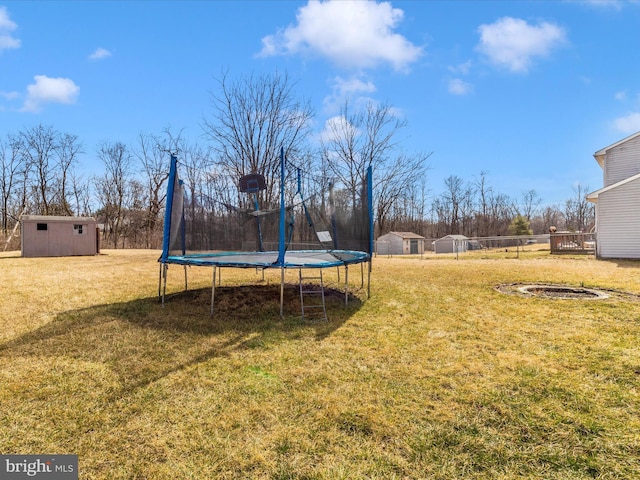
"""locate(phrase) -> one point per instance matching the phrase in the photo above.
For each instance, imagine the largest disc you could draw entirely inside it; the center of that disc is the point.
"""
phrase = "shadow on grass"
(141, 342)
(622, 262)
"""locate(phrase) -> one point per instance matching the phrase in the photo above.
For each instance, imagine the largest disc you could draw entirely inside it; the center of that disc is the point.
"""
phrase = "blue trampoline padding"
(292, 259)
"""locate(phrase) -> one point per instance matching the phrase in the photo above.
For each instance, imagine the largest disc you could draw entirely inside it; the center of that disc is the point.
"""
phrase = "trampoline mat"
(292, 259)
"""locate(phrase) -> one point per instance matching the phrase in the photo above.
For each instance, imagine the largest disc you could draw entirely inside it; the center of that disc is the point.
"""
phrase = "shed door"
(413, 246)
(39, 240)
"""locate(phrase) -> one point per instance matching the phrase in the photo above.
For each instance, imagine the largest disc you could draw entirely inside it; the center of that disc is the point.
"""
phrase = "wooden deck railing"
(573, 243)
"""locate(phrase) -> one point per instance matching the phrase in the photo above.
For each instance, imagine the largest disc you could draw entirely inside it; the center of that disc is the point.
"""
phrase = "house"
(400, 243)
(618, 202)
(451, 244)
(53, 236)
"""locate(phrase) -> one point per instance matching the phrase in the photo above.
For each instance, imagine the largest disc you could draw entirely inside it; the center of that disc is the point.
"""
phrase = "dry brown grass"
(438, 375)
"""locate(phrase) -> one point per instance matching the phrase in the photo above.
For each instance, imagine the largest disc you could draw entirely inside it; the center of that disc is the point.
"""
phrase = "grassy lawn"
(438, 375)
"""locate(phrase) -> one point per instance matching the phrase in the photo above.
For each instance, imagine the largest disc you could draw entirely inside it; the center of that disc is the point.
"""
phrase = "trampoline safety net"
(205, 213)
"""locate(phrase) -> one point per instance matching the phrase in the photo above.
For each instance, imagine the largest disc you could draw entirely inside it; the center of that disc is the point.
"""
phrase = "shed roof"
(56, 218)
(454, 237)
(406, 235)
(600, 154)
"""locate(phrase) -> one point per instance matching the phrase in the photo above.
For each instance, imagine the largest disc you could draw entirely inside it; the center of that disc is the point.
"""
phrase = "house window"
(41, 226)
(79, 229)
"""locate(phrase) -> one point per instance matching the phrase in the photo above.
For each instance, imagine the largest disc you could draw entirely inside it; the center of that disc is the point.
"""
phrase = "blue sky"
(524, 91)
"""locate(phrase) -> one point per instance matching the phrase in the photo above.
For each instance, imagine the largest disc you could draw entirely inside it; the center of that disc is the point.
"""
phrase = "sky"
(522, 91)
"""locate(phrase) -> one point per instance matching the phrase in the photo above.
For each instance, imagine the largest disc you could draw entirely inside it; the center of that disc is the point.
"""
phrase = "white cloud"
(49, 90)
(608, 4)
(622, 95)
(628, 124)
(514, 44)
(345, 89)
(7, 26)
(9, 95)
(459, 87)
(99, 54)
(462, 69)
(336, 128)
(352, 34)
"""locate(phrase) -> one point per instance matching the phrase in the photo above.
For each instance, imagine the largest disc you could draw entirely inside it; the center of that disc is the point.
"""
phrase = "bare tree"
(454, 197)
(81, 193)
(530, 204)
(550, 216)
(153, 153)
(356, 140)
(49, 158)
(253, 118)
(396, 184)
(12, 172)
(353, 141)
(502, 212)
(67, 148)
(579, 213)
(484, 194)
(112, 188)
(39, 147)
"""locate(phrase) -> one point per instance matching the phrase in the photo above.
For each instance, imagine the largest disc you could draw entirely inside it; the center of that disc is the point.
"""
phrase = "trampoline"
(203, 228)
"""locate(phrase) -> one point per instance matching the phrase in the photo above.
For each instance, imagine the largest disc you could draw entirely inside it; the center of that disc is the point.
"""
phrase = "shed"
(54, 236)
(451, 244)
(400, 243)
(617, 221)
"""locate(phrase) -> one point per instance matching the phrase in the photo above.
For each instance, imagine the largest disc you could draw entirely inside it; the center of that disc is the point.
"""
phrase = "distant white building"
(618, 202)
(451, 244)
(400, 243)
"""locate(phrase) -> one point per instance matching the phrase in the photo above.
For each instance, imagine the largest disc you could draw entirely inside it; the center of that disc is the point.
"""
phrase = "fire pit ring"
(563, 292)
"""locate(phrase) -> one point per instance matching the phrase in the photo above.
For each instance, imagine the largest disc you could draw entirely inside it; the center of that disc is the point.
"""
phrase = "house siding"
(618, 221)
(622, 161)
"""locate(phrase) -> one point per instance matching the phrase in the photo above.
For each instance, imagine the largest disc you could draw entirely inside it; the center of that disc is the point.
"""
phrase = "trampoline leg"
(361, 275)
(186, 285)
(164, 283)
(282, 292)
(213, 291)
(369, 280)
(346, 284)
(160, 282)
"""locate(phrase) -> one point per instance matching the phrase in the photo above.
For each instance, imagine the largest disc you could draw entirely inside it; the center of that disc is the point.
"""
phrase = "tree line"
(251, 118)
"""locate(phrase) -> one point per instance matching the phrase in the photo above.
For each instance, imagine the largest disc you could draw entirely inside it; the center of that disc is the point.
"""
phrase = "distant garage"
(451, 244)
(400, 243)
(55, 236)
